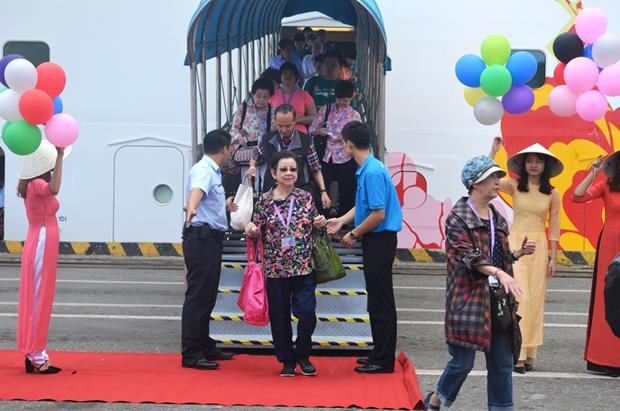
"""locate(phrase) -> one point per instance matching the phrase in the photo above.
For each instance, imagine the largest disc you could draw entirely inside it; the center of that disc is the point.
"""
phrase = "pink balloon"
(590, 24)
(591, 105)
(62, 130)
(609, 80)
(581, 74)
(563, 101)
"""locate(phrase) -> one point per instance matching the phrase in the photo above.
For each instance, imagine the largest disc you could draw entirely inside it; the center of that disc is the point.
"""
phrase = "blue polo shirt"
(206, 175)
(375, 191)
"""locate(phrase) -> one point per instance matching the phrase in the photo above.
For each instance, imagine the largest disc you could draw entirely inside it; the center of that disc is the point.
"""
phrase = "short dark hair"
(215, 141)
(334, 53)
(299, 37)
(357, 133)
(322, 31)
(285, 109)
(284, 43)
(271, 74)
(280, 155)
(320, 58)
(306, 29)
(288, 66)
(262, 83)
(344, 89)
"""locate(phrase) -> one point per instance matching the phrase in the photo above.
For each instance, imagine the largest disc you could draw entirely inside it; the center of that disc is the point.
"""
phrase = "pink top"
(41, 204)
(300, 99)
(335, 123)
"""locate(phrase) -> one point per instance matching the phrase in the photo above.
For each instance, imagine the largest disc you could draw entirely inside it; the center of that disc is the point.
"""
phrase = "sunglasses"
(285, 169)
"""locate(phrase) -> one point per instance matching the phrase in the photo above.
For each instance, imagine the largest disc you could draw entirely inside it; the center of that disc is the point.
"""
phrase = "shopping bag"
(253, 294)
(245, 201)
(325, 260)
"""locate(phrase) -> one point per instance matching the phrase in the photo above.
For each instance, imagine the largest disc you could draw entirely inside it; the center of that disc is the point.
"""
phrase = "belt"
(202, 232)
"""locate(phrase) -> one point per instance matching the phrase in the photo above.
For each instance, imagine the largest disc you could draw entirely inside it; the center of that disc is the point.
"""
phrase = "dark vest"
(299, 146)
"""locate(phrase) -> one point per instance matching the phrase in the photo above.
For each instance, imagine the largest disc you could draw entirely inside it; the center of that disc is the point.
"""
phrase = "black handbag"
(501, 309)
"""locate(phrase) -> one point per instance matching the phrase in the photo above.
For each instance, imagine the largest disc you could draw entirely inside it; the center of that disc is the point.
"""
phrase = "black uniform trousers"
(202, 252)
(296, 294)
(379, 251)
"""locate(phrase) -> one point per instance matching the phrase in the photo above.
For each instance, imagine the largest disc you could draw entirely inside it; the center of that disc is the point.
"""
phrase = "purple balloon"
(4, 62)
(518, 100)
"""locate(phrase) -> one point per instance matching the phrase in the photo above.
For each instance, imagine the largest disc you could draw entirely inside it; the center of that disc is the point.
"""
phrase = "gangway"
(240, 36)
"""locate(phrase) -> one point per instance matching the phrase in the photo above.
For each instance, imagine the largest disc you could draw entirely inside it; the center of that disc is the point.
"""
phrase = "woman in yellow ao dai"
(535, 202)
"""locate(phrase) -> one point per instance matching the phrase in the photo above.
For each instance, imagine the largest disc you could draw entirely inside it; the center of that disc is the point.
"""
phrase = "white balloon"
(20, 75)
(488, 110)
(606, 50)
(9, 105)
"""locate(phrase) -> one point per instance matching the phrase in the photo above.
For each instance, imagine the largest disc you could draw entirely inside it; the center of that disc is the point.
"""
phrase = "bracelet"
(323, 190)
(514, 257)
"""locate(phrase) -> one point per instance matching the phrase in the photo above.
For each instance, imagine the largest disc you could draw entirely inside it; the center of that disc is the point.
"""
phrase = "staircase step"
(326, 305)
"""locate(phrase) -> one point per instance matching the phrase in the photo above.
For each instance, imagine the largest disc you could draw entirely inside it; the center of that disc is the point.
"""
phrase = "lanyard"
(288, 100)
(290, 213)
(290, 143)
(491, 222)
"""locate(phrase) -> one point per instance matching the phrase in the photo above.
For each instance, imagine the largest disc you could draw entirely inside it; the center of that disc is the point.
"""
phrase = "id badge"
(493, 281)
(288, 242)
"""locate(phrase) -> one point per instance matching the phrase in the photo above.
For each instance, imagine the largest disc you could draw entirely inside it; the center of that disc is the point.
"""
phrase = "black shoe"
(363, 360)
(428, 405)
(202, 364)
(220, 356)
(306, 367)
(44, 368)
(519, 370)
(288, 370)
(371, 368)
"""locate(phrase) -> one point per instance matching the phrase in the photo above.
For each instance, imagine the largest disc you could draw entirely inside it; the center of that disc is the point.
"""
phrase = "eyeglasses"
(285, 169)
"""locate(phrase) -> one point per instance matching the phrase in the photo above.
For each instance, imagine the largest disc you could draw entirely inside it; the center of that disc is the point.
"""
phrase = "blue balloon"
(587, 51)
(57, 104)
(522, 67)
(468, 70)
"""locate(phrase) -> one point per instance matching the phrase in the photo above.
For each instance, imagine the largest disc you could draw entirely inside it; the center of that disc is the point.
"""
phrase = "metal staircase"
(342, 317)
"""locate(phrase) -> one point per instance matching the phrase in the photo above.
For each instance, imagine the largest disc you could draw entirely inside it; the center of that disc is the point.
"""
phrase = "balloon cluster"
(32, 99)
(589, 68)
(497, 74)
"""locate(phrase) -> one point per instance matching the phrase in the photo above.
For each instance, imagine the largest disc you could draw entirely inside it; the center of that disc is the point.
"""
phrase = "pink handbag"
(253, 294)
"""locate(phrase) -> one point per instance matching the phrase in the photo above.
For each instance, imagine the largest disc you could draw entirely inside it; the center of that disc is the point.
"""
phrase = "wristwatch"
(352, 234)
(514, 257)
(323, 190)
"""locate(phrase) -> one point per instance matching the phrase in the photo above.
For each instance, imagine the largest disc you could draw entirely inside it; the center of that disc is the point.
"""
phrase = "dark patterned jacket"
(468, 305)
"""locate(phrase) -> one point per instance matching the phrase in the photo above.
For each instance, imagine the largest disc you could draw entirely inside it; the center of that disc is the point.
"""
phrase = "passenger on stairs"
(285, 217)
(203, 233)
(378, 217)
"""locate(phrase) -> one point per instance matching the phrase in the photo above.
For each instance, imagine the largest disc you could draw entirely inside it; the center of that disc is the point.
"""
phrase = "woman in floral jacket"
(285, 216)
(479, 261)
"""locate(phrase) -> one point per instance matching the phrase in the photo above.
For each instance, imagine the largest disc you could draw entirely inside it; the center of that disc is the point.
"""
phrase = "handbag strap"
(251, 249)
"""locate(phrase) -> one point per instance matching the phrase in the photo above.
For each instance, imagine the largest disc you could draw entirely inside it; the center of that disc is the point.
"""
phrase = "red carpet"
(245, 380)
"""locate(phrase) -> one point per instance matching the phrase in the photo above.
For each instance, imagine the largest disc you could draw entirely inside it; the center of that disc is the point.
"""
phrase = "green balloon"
(21, 137)
(495, 80)
(495, 50)
(2, 88)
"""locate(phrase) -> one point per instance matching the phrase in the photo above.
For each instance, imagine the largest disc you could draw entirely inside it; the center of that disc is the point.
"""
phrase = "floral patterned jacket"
(468, 299)
(279, 263)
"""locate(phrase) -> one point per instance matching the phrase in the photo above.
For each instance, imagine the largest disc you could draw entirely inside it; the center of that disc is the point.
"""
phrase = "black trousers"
(284, 295)
(344, 174)
(379, 251)
(202, 253)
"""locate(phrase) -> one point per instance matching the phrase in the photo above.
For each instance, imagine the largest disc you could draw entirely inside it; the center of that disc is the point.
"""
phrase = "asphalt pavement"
(135, 307)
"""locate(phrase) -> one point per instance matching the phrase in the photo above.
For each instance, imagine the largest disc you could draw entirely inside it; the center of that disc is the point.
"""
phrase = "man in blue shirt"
(378, 217)
(203, 233)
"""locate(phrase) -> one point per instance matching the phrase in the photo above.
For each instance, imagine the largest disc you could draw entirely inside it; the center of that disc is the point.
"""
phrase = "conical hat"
(516, 163)
(612, 162)
(41, 161)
